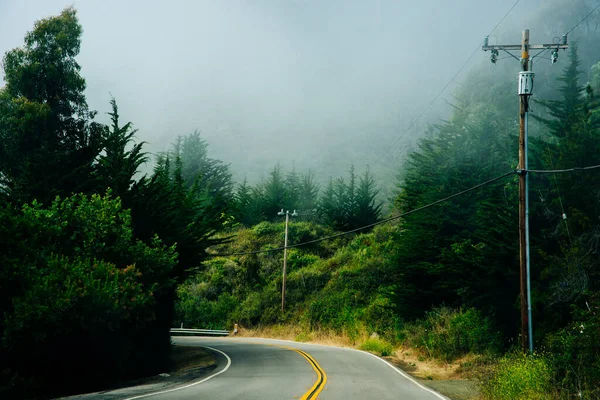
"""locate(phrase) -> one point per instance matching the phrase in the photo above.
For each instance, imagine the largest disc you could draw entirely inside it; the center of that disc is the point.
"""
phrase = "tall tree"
(368, 208)
(461, 252)
(571, 203)
(199, 170)
(275, 194)
(308, 194)
(247, 204)
(350, 204)
(117, 165)
(48, 141)
(292, 185)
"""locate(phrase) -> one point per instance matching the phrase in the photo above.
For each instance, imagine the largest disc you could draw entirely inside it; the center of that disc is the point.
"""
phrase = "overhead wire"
(560, 171)
(562, 208)
(401, 215)
(503, 18)
(430, 104)
(584, 18)
(383, 221)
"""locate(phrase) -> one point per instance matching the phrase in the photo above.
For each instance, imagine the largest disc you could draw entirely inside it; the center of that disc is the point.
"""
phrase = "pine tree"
(292, 185)
(571, 206)
(118, 165)
(308, 194)
(346, 205)
(327, 206)
(201, 172)
(573, 142)
(247, 203)
(461, 252)
(275, 194)
(368, 209)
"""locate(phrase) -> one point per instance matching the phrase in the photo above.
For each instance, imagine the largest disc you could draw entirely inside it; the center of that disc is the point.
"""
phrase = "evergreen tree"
(275, 194)
(462, 252)
(571, 204)
(247, 203)
(308, 194)
(573, 126)
(199, 171)
(328, 207)
(346, 205)
(368, 209)
(292, 186)
(117, 165)
(48, 142)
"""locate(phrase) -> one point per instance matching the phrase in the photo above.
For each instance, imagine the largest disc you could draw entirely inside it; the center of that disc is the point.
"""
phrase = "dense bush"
(87, 289)
(377, 346)
(520, 376)
(576, 354)
(203, 313)
(449, 334)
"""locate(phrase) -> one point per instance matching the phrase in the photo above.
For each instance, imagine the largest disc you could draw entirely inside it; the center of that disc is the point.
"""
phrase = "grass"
(377, 346)
(519, 376)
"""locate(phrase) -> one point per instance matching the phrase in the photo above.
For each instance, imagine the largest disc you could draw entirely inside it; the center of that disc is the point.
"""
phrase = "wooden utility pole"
(287, 220)
(523, 209)
(525, 91)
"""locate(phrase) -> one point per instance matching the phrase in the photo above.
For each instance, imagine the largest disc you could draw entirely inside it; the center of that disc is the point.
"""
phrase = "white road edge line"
(404, 374)
(191, 384)
(398, 370)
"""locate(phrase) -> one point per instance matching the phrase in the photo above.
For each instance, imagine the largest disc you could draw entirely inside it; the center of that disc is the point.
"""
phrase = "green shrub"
(202, 313)
(81, 312)
(380, 318)
(298, 259)
(520, 376)
(335, 310)
(302, 337)
(267, 228)
(449, 334)
(85, 292)
(377, 346)
(576, 354)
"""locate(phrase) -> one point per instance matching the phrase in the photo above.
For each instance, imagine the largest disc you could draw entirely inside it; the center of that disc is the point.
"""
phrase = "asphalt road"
(274, 370)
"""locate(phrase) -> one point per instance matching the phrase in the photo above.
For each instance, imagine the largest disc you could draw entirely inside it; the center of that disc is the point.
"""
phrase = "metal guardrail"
(198, 332)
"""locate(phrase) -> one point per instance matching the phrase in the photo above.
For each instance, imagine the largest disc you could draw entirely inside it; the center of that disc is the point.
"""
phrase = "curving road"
(250, 368)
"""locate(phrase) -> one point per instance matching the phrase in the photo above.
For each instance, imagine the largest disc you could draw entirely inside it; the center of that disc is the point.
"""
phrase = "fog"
(319, 84)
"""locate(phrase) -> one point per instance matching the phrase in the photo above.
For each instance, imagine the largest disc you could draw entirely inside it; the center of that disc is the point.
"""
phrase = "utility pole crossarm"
(515, 47)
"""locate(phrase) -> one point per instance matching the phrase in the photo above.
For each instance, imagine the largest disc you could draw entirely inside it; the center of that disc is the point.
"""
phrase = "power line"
(559, 171)
(562, 208)
(505, 15)
(383, 221)
(538, 171)
(584, 18)
(432, 102)
(449, 83)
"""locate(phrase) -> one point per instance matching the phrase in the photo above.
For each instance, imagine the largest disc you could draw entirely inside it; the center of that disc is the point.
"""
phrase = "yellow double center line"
(318, 386)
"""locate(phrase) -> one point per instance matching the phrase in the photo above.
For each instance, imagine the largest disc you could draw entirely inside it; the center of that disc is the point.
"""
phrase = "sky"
(311, 83)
